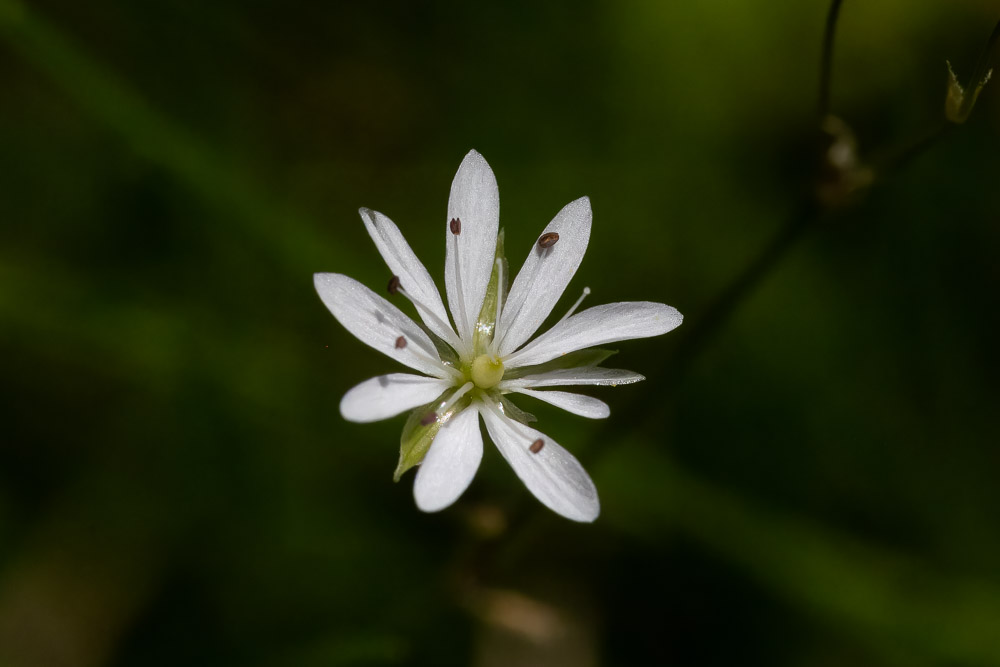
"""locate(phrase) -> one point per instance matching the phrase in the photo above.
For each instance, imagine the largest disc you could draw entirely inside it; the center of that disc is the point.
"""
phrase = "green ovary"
(487, 371)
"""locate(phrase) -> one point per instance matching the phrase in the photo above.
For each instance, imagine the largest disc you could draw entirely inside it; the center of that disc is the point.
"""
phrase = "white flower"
(468, 370)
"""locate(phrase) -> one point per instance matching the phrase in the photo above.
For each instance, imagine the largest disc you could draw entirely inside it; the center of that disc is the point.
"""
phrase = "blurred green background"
(814, 484)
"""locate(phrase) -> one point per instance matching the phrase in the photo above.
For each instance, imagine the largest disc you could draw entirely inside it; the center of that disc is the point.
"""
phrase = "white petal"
(578, 404)
(593, 375)
(378, 323)
(450, 463)
(388, 395)
(413, 277)
(554, 475)
(475, 201)
(597, 326)
(544, 276)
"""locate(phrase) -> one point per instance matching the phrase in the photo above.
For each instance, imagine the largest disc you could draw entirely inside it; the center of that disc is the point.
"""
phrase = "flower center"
(487, 371)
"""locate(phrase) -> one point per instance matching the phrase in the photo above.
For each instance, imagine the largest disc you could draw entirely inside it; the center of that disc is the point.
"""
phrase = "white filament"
(586, 291)
(425, 311)
(458, 286)
(465, 388)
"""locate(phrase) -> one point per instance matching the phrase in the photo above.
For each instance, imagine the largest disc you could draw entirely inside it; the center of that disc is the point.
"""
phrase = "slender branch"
(745, 283)
(806, 215)
(526, 523)
(826, 58)
(696, 336)
(895, 161)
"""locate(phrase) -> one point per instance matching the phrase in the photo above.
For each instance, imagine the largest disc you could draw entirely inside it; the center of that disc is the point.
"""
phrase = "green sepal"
(495, 289)
(417, 438)
(444, 350)
(515, 413)
(959, 102)
(578, 359)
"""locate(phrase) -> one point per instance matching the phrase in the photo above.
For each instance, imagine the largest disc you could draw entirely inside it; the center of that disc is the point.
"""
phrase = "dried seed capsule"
(393, 286)
(428, 419)
(548, 240)
(456, 226)
(400, 343)
(536, 446)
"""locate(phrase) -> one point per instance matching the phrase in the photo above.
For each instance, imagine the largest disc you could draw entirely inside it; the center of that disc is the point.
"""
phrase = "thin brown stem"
(826, 58)
(895, 161)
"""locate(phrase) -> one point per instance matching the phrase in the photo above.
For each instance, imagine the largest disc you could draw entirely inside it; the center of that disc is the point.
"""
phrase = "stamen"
(586, 291)
(536, 446)
(456, 229)
(425, 311)
(463, 390)
(393, 285)
(428, 419)
(547, 240)
(498, 336)
(429, 356)
(396, 288)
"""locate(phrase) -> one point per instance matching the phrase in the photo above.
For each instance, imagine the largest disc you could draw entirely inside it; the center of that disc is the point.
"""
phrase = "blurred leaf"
(885, 598)
(154, 137)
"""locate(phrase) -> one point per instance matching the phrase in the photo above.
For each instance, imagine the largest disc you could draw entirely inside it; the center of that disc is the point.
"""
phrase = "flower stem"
(826, 58)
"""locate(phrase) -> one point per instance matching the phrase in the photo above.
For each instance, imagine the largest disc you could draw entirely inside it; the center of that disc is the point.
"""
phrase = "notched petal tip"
(427, 508)
(369, 217)
(386, 396)
(475, 165)
(346, 415)
(474, 206)
(428, 503)
(474, 161)
(580, 207)
(321, 280)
